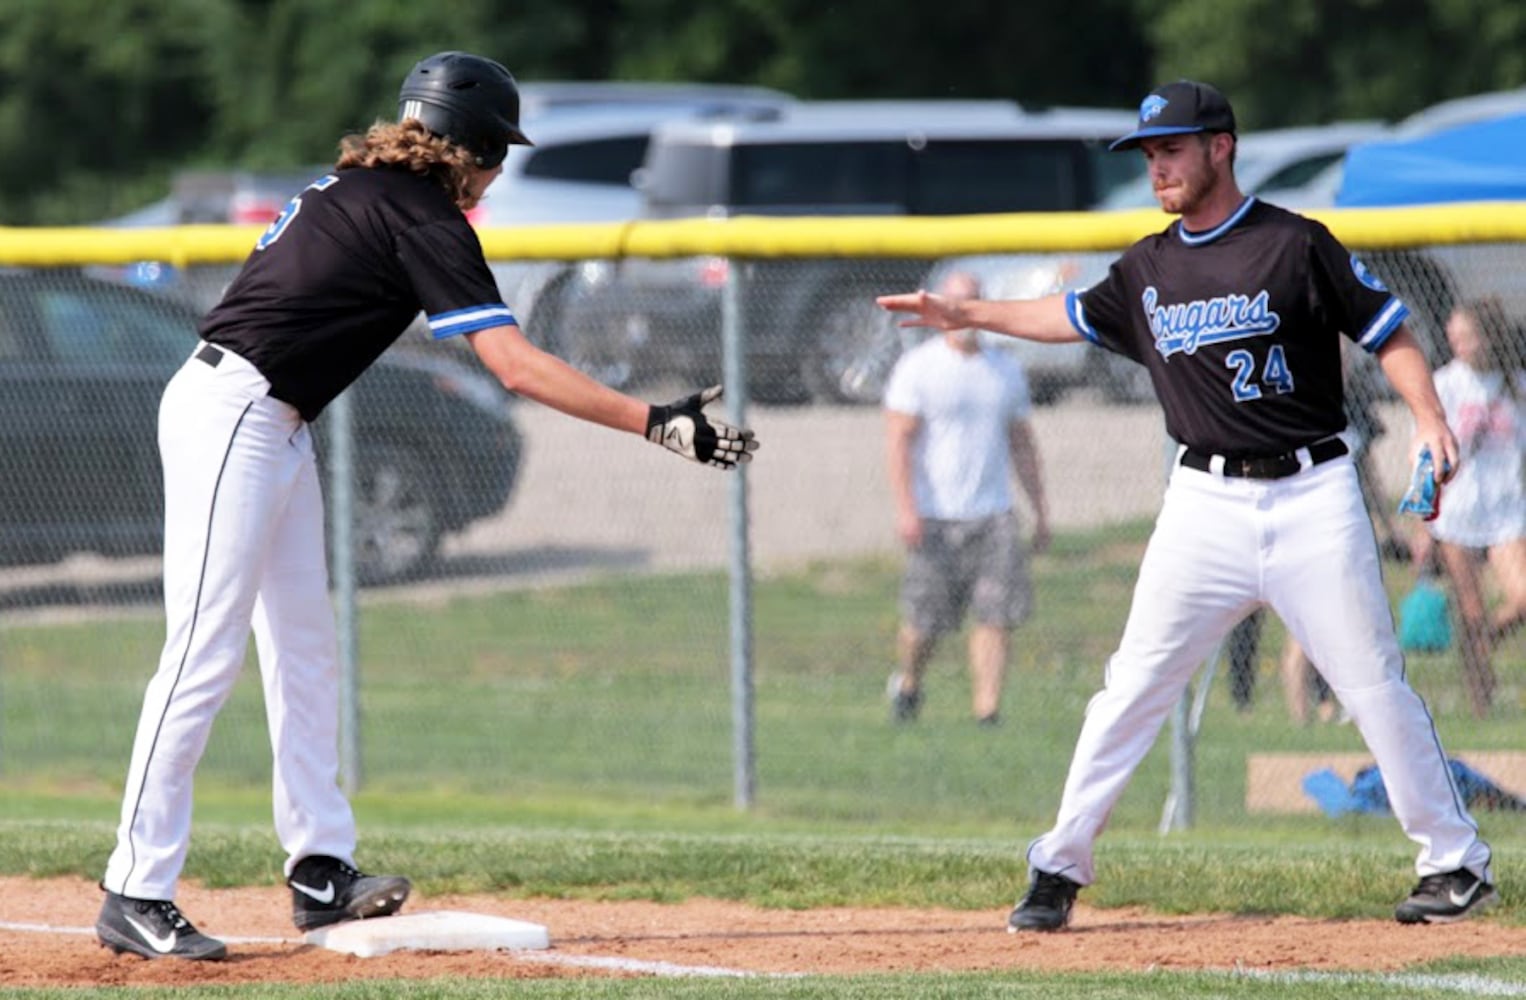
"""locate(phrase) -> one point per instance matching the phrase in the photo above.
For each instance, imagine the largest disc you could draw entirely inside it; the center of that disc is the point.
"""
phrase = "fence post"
(342, 518)
(734, 374)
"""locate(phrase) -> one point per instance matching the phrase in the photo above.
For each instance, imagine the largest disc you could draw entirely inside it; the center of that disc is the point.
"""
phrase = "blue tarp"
(1483, 161)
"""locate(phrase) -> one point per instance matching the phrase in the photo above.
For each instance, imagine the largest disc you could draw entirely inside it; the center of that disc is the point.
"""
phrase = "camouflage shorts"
(980, 566)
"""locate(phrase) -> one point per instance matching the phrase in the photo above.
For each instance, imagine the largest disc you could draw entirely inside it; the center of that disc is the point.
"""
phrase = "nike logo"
(1465, 898)
(324, 895)
(163, 945)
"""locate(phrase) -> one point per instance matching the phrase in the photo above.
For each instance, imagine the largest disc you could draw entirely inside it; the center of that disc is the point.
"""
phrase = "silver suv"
(812, 327)
(590, 138)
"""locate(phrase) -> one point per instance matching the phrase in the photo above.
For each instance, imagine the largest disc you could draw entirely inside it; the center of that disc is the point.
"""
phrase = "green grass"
(1434, 982)
(1248, 871)
(577, 742)
(615, 696)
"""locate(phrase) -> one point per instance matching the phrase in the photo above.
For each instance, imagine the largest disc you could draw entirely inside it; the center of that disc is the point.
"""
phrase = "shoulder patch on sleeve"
(1365, 276)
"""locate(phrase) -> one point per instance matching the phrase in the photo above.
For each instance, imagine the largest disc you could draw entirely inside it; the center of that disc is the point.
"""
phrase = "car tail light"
(253, 210)
(713, 271)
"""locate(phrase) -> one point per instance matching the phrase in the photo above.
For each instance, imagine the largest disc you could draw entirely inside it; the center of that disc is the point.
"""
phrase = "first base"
(436, 930)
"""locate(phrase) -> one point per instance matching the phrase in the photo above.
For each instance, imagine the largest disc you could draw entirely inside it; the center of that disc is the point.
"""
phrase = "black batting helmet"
(472, 101)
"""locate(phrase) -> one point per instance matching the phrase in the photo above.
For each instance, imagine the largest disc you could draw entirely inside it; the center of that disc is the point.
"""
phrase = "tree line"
(102, 100)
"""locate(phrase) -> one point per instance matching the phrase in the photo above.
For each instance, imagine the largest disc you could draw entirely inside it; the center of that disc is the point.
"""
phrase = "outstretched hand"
(927, 309)
(683, 428)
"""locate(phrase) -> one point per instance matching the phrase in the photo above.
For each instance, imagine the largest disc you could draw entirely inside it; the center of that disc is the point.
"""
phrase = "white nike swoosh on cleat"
(324, 895)
(1465, 898)
(163, 945)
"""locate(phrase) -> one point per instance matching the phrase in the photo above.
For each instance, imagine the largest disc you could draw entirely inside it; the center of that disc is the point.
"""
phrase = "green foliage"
(101, 100)
(1296, 62)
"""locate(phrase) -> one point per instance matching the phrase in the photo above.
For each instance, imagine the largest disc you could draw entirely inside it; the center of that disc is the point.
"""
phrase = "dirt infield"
(707, 937)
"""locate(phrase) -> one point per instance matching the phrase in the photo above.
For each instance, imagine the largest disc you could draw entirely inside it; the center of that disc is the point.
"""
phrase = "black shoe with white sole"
(153, 928)
(1046, 907)
(1446, 898)
(327, 891)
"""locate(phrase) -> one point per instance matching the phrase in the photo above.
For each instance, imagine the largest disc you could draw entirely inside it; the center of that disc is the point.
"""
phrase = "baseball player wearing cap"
(1236, 310)
(335, 279)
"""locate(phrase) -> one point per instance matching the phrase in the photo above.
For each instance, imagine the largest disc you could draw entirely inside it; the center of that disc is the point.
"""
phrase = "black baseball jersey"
(1238, 327)
(342, 273)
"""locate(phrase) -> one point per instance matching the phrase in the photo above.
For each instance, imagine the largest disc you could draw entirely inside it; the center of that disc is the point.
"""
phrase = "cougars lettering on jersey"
(1238, 327)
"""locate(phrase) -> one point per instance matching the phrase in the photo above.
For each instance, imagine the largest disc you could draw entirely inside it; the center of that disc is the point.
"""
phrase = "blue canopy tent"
(1482, 161)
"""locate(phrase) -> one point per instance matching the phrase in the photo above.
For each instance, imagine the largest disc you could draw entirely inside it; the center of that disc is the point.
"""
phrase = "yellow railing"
(749, 236)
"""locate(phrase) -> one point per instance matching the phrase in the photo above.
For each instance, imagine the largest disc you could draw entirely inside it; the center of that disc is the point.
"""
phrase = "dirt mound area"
(707, 937)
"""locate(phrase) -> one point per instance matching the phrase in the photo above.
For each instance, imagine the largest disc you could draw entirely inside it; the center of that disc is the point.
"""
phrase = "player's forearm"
(1042, 320)
(528, 371)
(1407, 370)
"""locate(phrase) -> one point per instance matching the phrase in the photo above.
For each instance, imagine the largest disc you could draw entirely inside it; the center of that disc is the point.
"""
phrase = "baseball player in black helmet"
(351, 262)
(1237, 310)
(470, 100)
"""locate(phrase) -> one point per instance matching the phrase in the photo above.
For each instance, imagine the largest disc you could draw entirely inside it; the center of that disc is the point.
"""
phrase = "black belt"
(211, 354)
(1267, 466)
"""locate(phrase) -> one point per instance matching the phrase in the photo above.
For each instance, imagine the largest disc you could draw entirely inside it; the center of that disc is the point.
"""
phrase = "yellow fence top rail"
(750, 236)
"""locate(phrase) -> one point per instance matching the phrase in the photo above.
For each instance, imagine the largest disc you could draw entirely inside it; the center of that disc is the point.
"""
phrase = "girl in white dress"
(1483, 509)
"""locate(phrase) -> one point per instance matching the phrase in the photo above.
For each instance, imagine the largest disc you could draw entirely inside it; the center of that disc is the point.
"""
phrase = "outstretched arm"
(1030, 319)
(680, 427)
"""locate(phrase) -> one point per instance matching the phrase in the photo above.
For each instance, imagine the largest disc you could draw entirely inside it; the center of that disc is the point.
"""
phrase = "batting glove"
(681, 427)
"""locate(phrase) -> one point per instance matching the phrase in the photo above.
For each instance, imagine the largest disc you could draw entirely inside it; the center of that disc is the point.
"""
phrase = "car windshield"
(595, 161)
(98, 323)
(948, 177)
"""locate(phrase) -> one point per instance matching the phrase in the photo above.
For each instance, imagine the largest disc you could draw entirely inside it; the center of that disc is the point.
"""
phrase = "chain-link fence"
(545, 605)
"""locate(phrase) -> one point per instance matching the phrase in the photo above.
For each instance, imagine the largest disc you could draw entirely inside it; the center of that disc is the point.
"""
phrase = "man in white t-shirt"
(957, 428)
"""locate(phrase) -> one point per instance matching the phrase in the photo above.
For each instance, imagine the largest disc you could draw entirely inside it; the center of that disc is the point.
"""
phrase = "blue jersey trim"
(470, 320)
(1077, 315)
(1383, 325)
(1198, 239)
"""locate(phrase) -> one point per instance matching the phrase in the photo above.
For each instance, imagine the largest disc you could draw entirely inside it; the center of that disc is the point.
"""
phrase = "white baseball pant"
(243, 545)
(1303, 545)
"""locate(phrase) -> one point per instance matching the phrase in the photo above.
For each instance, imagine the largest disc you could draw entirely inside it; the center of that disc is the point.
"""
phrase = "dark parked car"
(83, 363)
(812, 326)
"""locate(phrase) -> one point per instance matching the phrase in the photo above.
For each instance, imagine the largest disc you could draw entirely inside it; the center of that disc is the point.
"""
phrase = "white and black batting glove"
(681, 427)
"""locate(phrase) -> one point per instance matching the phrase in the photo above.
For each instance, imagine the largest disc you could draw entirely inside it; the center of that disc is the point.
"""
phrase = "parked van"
(812, 327)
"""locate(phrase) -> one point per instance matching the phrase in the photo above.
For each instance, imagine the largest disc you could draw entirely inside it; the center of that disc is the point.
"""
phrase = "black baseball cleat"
(327, 891)
(1046, 907)
(1446, 898)
(153, 928)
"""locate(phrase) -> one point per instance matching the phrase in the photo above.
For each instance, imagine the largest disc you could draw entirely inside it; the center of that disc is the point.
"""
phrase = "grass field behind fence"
(618, 693)
(576, 742)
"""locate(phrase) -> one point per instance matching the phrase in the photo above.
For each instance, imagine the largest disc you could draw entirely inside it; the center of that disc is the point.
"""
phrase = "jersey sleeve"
(454, 286)
(1356, 300)
(1100, 313)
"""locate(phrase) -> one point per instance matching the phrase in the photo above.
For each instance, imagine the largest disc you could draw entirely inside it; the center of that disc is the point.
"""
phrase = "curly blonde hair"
(409, 144)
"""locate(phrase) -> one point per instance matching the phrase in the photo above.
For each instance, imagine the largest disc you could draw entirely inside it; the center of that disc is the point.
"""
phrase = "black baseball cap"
(1177, 109)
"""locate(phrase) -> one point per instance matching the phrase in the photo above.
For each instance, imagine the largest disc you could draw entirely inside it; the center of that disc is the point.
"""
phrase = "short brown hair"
(409, 144)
